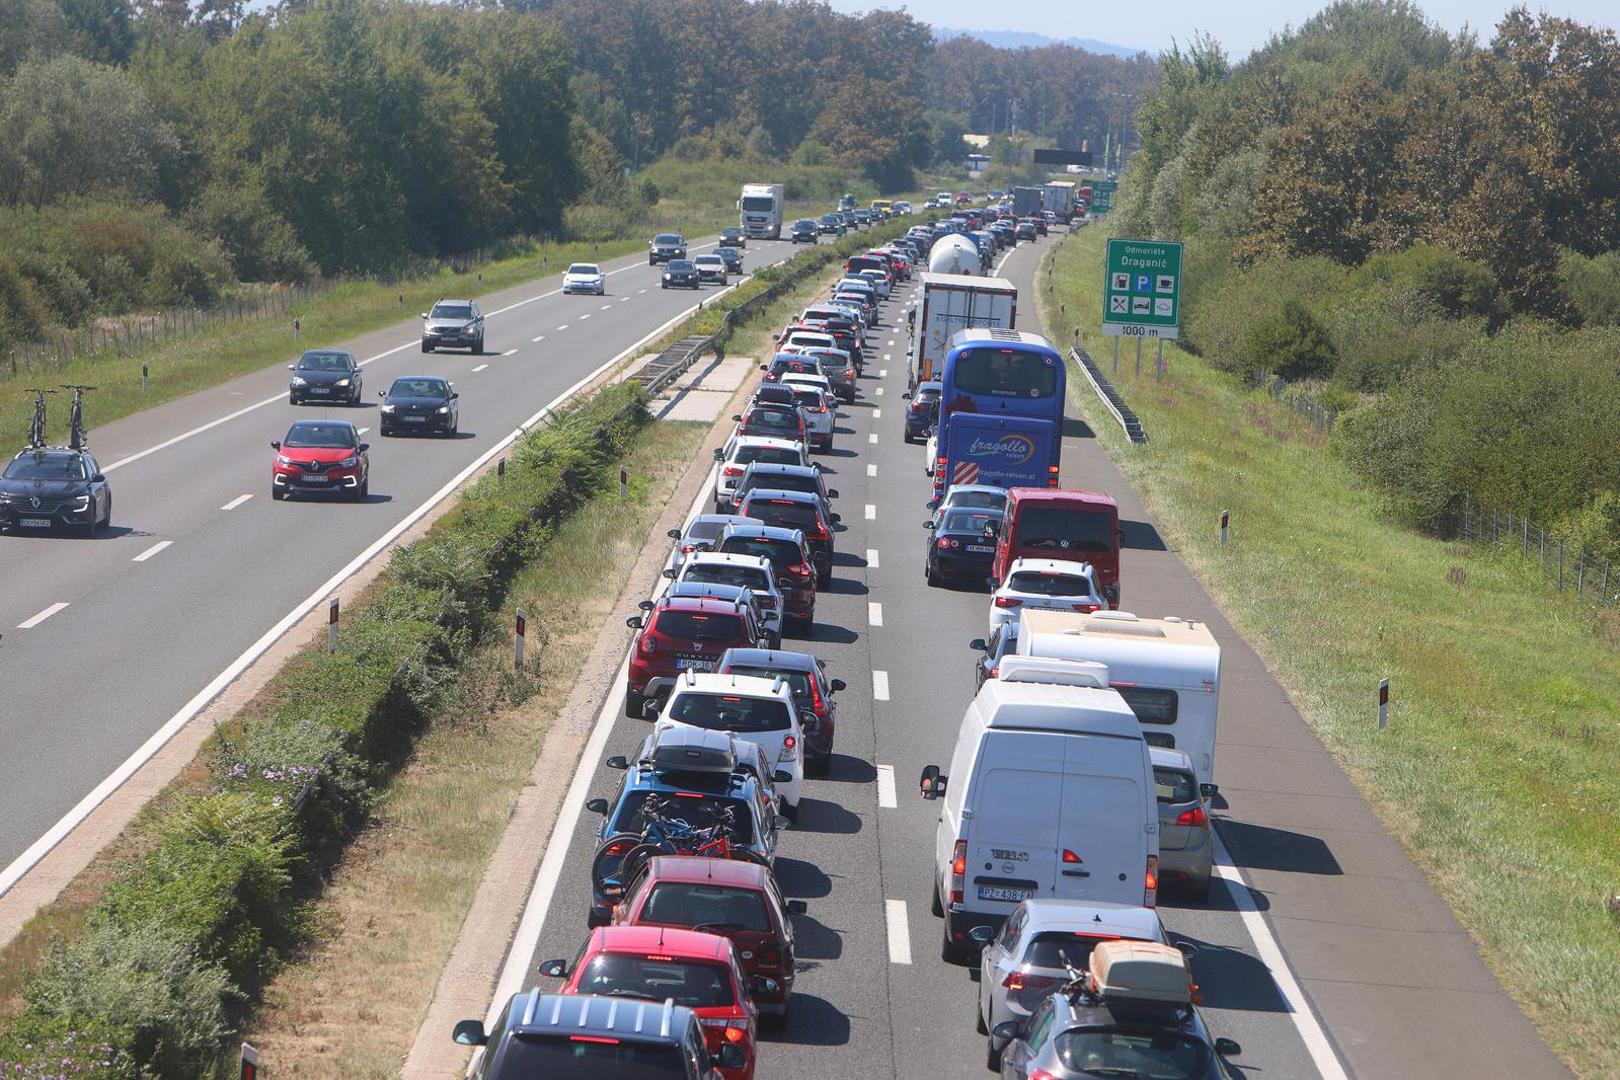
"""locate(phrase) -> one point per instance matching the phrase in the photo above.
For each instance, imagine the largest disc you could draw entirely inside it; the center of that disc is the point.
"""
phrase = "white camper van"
(1168, 670)
(1049, 793)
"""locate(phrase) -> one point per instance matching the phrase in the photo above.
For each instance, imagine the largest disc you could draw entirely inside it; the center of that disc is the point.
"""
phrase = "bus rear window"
(1004, 373)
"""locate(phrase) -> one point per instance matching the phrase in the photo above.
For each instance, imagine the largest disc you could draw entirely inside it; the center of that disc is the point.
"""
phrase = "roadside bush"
(260, 242)
(1381, 333)
(1594, 528)
(1437, 277)
(1221, 320)
(1290, 343)
(1592, 286)
(22, 314)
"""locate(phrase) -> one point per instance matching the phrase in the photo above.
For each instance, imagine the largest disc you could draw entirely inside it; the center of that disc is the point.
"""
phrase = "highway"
(1339, 960)
(108, 640)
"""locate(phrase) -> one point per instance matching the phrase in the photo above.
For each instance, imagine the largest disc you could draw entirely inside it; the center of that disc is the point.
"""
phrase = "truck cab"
(760, 210)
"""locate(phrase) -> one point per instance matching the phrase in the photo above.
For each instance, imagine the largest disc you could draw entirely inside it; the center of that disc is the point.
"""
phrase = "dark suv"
(583, 1037)
(56, 485)
(664, 247)
(453, 324)
(805, 231)
(790, 557)
(797, 510)
(683, 634)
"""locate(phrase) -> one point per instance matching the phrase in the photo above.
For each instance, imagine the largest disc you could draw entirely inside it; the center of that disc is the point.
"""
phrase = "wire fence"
(1322, 416)
(1592, 580)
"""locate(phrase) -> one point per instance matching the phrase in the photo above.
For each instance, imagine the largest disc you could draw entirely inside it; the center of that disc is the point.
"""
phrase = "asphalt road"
(88, 684)
(1333, 907)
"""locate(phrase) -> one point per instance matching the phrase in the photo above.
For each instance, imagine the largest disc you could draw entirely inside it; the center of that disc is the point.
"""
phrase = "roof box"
(1140, 971)
(692, 749)
(1031, 669)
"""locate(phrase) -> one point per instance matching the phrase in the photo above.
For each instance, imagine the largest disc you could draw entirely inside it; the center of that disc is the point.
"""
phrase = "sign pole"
(331, 624)
(624, 483)
(1158, 368)
(250, 1062)
(1116, 356)
(1138, 357)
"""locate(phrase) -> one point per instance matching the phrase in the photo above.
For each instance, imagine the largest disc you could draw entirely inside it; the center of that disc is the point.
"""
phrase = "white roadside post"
(1226, 521)
(519, 639)
(331, 624)
(250, 1062)
(1383, 703)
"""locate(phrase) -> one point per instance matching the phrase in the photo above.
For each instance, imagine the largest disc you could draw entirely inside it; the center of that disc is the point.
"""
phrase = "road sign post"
(331, 624)
(519, 639)
(1383, 703)
(1142, 290)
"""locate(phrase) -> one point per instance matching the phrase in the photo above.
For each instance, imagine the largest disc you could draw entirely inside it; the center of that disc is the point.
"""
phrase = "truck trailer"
(952, 302)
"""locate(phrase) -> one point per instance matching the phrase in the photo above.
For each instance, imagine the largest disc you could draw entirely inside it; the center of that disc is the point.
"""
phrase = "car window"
(1040, 1024)
(781, 553)
(785, 513)
(47, 467)
(705, 530)
(1049, 583)
(985, 500)
(666, 238)
(769, 455)
(560, 1058)
(318, 435)
(452, 311)
(746, 577)
(798, 681)
(584, 268)
(1160, 1054)
(1150, 704)
(1174, 785)
(972, 521)
(1054, 948)
(697, 810)
(730, 712)
(712, 907)
(695, 984)
(1056, 526)
(682, 264)
(419, 388)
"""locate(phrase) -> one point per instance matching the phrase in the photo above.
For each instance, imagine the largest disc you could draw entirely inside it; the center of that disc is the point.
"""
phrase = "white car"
(879, 280)
(585, 278)
(752, 572)
(711, 268)
(742, 450)
(1049, 584)
(799, 340)
(760, 711)
(820, 408)
(931, 451)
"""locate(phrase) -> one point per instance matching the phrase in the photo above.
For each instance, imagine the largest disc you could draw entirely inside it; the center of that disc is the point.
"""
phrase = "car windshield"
(323, 361)
(697, 810)
(1049, 583)
(584, 268)
(695, 984)
(667, 238)
(713, 907)
(758, 202)
(746, 577)
(1174, 785)
(1147, 1053)
(782, 553)
(428, 388)
(679, 265)
(560, 1058)
(698, 626)
(783, 512)
(970, 521)
(1057, 526)
(47, 467)
(770, 455)
(452, 311)
(708, 260)
(829, 219)
(798, 681)
(320, 435)
(730, 712)
(1151, 704)
(804, 223)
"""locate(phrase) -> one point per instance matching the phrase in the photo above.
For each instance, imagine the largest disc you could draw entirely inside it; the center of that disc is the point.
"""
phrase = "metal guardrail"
(1111, 400)
(662, 370)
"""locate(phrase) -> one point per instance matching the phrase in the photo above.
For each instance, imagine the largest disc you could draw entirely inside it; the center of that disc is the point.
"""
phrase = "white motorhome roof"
(1154, 652)
(1046, 707)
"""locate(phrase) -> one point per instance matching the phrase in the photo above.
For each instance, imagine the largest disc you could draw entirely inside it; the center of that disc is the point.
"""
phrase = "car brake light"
(849, 373)
(593, 1039)
(1040, 1074)
(790, 749)
(1087, 608)
(1019, 981)
(1071, 858)
(1008, 601)
(1194, 817)
(664, 959)
(1150, 892)
(944, 542)
(958, 870)
(687, 549)
(816, 704)
(620, 847)
(1051, 476)
(733, 470)
(800, 569)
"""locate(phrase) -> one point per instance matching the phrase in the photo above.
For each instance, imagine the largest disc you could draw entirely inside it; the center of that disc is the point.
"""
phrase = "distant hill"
(1018, 39)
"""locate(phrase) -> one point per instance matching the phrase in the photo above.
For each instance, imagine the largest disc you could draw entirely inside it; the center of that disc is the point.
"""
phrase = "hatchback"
(699, 534)
(740, 451)
(733, 257)
(786, 478)
(711, 268)
(760, 711)
(765, 420)
(790, 556)
(682, 634)
(961, 545)
(749, 572)
(680, 274)
(820, 414)
(1052, 584)
(797, 510)
(922, 413)
(420, 403)
(1186, 846)
(321, 456)
(812, 691)
(805, 231)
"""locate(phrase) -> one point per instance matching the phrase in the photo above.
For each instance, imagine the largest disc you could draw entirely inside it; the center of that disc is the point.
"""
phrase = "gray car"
(664, 247)
(456, 324)
(1186, 847)
(699, 535)
(324, 375)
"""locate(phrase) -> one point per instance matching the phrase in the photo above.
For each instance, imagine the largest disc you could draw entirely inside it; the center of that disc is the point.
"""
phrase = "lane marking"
(888, 356)
(1270, 954)
(564, 326)
(874, 614)
(585, 315)
(509, 352)
(883, 373)
(880, 685)
(885, 782)
(364, 430)
(871, 558)
(479, 368)
(877, 414)
(41, 617)
(894, 914)
(871, 470)
(640, 291)
(878, 392)
(607, 307)
(238, 501)
(151, 551)
(872, 438)
(538, 340)
(871, 511)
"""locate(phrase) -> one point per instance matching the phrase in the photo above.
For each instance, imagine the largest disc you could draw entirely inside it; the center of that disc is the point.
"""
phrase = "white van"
(1049, 794)
(1168, 670)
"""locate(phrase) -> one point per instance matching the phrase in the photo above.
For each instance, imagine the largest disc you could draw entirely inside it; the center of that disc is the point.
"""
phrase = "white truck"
(1058, 197)
(760, 210)
(952, 302)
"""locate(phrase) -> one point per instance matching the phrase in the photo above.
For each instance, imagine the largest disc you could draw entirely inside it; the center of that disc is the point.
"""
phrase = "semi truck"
(1059, 198)
(952, 302)
(1027, 200)
(760, 210)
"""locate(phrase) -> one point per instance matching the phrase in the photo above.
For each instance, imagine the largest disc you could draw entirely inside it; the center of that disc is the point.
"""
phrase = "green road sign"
(1142, 289)
(1102, 196)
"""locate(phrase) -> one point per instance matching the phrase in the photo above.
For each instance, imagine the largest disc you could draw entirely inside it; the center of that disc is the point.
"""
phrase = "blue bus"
(1005, 374)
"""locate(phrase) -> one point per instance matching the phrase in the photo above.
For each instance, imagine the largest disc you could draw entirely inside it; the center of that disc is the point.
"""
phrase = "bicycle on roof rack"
(36, 427)
(623, 855)
(78, 439)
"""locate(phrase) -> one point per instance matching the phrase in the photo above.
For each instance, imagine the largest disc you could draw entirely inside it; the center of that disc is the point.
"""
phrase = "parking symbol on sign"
(1163, 307)
(1141, 305)
(1119, 305)
(1144, 283)
(1122, 283)
(1166, 283)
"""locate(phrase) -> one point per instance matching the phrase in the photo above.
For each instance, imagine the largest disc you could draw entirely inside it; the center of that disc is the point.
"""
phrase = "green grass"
(1501, 766)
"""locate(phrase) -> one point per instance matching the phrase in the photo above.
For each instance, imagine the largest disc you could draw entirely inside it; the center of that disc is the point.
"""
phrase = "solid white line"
(872, 438)
(871, 470)
(537, 340)
(479, 368)
(238, 501)
(885, 782)
(41, 617)
(874, 614)
(871, 558)
(871, 512)
(151, 551)
(1271, 955)
(894, 914)
(508, 352)
(880, 685)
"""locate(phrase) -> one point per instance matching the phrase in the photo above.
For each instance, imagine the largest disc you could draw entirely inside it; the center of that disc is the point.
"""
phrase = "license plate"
(979, 549)
(314, 480)
(319, 390)
(414, 419)
(1011, 896)
(682, 664)
(35, 523)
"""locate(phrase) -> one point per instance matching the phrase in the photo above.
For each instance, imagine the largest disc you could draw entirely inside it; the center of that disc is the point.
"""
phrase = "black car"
(46, 487)
(800, 510)
(923, 411)
(863, 218)
(961, 544)
(664, 247)
(805, 231)
(420, 403)
(681, 274)
(1025, 230)
(831, 225)
(453, 323)
(324, 375)
(733, 257)
(733, 237)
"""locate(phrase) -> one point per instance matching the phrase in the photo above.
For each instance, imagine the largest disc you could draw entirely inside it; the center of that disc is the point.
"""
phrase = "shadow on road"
(843, 586)
(1260, 847)
(814, 941)
(813, 1021)
(1231, 978)
(822, 816)
(802, 880)
(827, 632)
(847, 769)
(1076, 428)
(1140, 535)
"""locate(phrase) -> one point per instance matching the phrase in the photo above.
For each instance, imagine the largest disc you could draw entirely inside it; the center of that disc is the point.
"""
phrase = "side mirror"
(556, 969)
(675, 534)
(275, 444)
(617, 761)
(424, 315)
(838, 684)
(906, 396)
(981, 934)
(929, 525)
(289, 367)
(382, 393)
(932, 784)
(670, 573)
(470, 1033)
(733, 1056)
(1227, 1048)
(797, 907)
(1209, 791)
(762, 985)
(836, 518)
(980, 644)
(832, 493)
(98, 478)
(737, 417)
(784, 583)
(781, 776)
(646, 605)
(1006, 1031)
(781, 823)
(364, 447)
(633, 622)
(597, 806)
(719, 454)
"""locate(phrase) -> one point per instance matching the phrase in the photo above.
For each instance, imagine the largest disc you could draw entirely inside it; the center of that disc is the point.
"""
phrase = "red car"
(700, 972)
(730, 897)
(686, 633)
(321, 455)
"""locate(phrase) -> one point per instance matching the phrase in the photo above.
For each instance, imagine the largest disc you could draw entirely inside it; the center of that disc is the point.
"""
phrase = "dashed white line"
(479, 368)
(894, 914)
(364, 430)
(564, 326)
(151, 551)
(41, 617)
(871, 511)
(586, 315)
(880, 685)
(509, 352)
(871, 469)
(607, 307)
(872, 438)
(874, 614)
(878, 392)
(885, 781)
(877, 414)
(871, 558)
(238, 501)
(889, 356)
(538, 340)
(640, 291)
(883, 373)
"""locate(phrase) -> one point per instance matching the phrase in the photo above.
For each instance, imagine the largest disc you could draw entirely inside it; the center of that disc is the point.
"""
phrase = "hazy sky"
(1241, 27)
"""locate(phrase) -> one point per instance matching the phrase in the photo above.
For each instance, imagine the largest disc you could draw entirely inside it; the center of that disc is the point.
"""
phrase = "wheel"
(478, 349)
(933, 900)
(363, 490)
(455, 427)
(992, 1056)
(930, 574)
(426, 347)
(595, 918)
(635, 705)
(663, 284)
(635, 860)
(292, 400)
(106, 523)
(276, 493)
(978, 1019)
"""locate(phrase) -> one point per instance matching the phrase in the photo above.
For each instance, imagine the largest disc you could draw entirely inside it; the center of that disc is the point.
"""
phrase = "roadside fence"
(1322, 416)
(1592, 580)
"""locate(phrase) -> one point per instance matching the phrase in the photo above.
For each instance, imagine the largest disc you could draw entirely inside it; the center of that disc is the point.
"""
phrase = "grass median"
(1498, 770)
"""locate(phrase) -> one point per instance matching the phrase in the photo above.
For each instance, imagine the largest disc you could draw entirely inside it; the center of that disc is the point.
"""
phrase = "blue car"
(922, 413)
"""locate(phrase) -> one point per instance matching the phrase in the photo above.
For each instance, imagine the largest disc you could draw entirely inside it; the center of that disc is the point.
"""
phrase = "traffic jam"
(1071, 789)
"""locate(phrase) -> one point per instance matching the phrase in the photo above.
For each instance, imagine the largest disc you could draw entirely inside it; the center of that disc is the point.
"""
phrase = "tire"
(992, 1056)
(663, 284)
(426, 347)
(276, 494)
(604, 866)
(934, 905)
(455, 427)
(363, 490)
(634, 704)
(636, 860)
(291, 400)
(930, 574)
(978, 1019)
(478, 349)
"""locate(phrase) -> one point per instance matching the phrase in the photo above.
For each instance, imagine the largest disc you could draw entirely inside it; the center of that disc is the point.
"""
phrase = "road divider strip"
(885, 786)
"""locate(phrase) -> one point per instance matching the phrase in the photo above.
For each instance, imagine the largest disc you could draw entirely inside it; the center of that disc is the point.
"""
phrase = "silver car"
(1186, 848)
(700, 534)
(1041, 940)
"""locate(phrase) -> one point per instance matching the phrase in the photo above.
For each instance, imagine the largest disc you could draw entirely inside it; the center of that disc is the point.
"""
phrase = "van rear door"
(1103, 840)
(1012, 836)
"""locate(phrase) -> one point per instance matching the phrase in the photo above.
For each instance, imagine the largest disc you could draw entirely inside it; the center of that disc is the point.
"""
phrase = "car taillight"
(958, 870)
(790, 749)
(1150, 891)
(1040, 1074)
(1194, 817)
(800, 569)
(649, 644)
(945, 542)
(687, 549)
(1051, 476)
(1008, 601)
(1087, 608)
(918, 406)
(733, 470)
(817, 705)
(939, 465)
(1018, 981)
(849, 373)
(620, 847)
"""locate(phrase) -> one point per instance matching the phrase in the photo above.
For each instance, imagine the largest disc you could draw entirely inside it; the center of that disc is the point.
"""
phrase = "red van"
(1054, 523)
